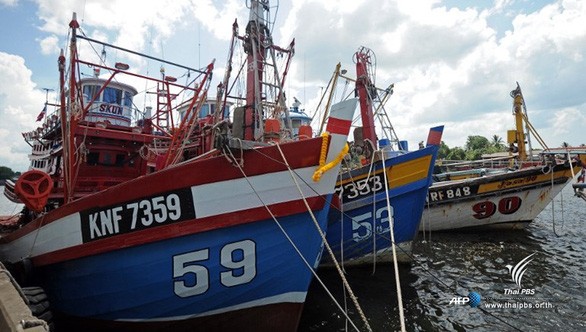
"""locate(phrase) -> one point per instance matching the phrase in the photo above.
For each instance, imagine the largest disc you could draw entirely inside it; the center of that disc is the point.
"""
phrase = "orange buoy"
(305, 132)
(272, 130)
(33, 188)
(272, 126)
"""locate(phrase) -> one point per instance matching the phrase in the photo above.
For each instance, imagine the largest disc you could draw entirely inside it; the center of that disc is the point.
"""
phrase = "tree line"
(7, 173)
(475, 147)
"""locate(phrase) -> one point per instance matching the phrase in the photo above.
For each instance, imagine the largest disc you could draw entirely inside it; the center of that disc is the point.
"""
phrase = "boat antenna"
(198, 45)
(47, 95)
(103, 55)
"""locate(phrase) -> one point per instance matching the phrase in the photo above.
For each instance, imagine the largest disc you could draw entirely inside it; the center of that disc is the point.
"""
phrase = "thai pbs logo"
(517, 273)
(473, 299)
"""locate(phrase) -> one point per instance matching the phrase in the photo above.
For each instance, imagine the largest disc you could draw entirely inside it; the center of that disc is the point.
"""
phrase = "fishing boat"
(382, 189)
(507, 197)
(578, 152)
(142, 224)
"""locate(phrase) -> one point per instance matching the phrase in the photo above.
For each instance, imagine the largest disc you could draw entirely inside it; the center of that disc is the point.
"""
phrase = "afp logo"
(473, 299)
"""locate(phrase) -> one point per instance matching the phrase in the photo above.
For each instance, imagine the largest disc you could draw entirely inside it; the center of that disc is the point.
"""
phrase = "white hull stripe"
(237, 195)
(209, 200)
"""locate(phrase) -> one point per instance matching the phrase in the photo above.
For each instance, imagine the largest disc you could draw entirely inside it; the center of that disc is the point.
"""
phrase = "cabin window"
(206, 109)
(127, 99)
(113, 96)
(296, 123)
(89, 92)
(120, 160)
(93, 158)
(107, 159)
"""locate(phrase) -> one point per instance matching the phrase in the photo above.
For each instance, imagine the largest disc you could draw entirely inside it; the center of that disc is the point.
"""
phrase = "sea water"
(448, 267)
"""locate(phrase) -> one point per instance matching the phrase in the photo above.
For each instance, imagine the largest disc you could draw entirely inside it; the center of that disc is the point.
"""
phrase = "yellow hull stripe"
(524, 181)
(401, 174)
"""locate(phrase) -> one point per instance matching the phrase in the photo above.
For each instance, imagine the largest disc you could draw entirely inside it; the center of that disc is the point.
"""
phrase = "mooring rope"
(38, 230)
(394, 250)
(374, 235)
(309, 266)
(410, 255)
(342, 214)
(327, 246)
(553, 203)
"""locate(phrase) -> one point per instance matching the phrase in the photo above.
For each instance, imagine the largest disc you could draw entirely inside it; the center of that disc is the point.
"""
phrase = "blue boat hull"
(359, 232)
(184, 280)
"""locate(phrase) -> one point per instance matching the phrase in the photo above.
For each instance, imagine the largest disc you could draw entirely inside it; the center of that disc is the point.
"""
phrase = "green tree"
(456, 153)
(476, 146)
(477, 143)
(497, 143)
(6, 173)
(443, 151)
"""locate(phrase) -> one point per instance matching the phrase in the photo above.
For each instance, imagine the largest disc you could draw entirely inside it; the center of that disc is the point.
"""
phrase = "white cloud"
(564, 122)
(50, 45)
(9, 3)
(451, 65)
(20, 103)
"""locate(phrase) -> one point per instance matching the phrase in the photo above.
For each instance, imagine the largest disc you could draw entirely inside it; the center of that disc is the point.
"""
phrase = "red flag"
(435, 135)
(42, 114)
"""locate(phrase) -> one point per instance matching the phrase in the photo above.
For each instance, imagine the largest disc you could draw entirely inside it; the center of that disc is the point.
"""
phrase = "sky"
(452, 62)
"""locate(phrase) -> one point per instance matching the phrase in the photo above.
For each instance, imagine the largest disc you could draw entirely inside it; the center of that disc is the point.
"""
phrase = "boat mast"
(518, 113)
(365, 87)
(256, 50)
(63, 114)
(264, 86)
(68, 115)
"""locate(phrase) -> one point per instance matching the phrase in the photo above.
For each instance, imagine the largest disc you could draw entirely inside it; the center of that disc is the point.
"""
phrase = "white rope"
(395, 263)
(289, 238)
(373, 219)
(360, 187)
(553, 202)
(30, 254)
(341, 200)
(329, 249)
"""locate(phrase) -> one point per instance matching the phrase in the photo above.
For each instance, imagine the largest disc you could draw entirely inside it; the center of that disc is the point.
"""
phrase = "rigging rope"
(287, 235)
(326, 244)
(413, 259)
(553, 203)
(395, 263)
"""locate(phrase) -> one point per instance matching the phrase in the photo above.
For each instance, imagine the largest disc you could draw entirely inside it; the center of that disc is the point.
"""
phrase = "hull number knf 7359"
(103, 222)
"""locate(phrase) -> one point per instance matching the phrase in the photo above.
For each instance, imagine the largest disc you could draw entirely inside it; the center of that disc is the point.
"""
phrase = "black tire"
(38, 303)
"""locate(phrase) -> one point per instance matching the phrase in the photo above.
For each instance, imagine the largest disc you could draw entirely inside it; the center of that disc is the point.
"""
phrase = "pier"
(15, 315)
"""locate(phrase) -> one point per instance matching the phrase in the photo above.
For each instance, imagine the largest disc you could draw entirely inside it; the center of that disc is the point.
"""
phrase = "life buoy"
(33, 188)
